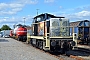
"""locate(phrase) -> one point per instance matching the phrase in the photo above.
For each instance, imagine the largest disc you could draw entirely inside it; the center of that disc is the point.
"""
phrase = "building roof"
(75, 24)
(29, 28)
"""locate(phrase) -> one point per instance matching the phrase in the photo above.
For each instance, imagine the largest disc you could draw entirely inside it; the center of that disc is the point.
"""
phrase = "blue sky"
(13, 11)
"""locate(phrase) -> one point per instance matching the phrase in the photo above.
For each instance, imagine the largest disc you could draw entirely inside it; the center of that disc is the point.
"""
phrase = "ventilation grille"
(59, 27)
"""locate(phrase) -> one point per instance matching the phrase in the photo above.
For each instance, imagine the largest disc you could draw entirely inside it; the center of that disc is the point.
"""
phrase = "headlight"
(53, 43)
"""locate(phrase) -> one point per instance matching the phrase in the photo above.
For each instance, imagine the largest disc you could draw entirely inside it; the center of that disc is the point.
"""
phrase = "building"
(82, 28)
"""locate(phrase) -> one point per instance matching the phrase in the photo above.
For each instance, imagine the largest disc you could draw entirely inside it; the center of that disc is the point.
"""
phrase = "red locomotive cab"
(22, 31)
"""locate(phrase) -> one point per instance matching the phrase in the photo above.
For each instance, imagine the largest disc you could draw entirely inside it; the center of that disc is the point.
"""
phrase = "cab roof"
(52, 16)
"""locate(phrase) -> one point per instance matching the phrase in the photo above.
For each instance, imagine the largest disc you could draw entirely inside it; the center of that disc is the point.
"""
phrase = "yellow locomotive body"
(51, 33)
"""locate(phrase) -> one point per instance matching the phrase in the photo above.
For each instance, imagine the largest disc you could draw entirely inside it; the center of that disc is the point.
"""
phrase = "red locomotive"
(19, 33)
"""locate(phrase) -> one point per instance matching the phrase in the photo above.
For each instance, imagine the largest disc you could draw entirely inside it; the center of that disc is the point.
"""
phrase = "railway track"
(78, 54)
(84, 48)
(70, 55)
(83, 53)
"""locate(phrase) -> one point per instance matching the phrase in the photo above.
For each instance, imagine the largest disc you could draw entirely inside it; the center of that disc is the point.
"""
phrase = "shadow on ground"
(3, 40)
(72, 52)
(77, 53)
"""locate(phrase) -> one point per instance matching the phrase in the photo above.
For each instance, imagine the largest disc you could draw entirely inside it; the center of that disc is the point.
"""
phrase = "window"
(55, 23)
(38, 19)
(86, 24)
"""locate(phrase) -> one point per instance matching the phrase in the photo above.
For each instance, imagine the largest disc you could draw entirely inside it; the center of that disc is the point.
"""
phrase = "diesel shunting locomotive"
(19, 32)
(51, 33)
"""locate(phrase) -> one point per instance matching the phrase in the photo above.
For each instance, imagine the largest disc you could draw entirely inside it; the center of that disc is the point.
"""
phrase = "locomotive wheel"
(19, 38)
(41, 45)
(24, 39)
(34, 42)
(31, 41)
(65, 47)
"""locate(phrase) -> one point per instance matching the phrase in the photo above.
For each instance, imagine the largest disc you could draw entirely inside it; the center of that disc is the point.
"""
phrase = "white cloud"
(83, 13)
(12, 8)
(15, 6)
(15, 20)
(60, 7)
(27, 1)
(49, 1)
(87, 8)
(9, 9)
(75, 14)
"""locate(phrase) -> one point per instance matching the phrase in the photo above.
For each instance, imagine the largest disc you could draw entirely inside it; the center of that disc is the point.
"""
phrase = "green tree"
(5, 27)
(0, 29)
